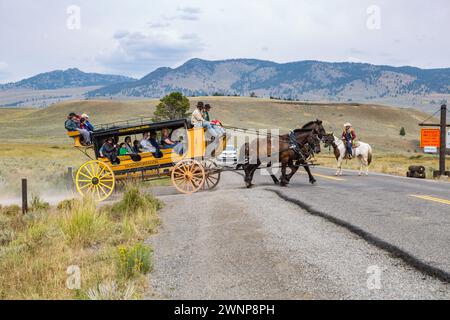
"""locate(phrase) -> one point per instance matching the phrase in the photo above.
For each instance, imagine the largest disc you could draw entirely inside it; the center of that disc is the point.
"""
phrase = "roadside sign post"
(443, 138)
(438, 138)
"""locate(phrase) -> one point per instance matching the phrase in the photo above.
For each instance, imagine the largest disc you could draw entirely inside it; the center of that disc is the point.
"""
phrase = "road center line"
(324, 176)
(430, 198)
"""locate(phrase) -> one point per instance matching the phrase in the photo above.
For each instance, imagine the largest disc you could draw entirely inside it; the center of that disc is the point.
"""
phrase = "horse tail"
(369, 156)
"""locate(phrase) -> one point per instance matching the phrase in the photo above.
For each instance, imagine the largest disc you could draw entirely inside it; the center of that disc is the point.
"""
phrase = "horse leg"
(274, 178)
(339, 167)
(361, 164)
(247, 178)
(252, 172)
(284, 182)
(366, 165)
(312, 180)
(293, 168)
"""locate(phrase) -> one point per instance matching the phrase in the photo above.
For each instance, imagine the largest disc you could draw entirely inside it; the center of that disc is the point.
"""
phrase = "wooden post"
(24, 196)
(69, 178)
(443, 142)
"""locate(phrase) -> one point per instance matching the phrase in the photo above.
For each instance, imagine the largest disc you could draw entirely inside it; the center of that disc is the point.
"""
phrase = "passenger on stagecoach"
(85, 120)
(122, 150)
(168, 143)
(73, 124)
(199, 122)
(149, 144)
(216, 124)
(136, 146)
(129, 146)
(154, 142)
(349, 136)
(109, 150)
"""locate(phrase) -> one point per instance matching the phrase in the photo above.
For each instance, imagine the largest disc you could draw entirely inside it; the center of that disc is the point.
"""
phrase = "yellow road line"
(324, 176)
(430, 198)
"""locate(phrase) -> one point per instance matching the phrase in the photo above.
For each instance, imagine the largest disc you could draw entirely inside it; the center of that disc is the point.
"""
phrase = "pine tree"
(171, 107)
(402, 131)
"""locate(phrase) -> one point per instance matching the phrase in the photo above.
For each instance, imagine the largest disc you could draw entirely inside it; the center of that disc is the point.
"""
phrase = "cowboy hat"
(348, 124)
(84, 115)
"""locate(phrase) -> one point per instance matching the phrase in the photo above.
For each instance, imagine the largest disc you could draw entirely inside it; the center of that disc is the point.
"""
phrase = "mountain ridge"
(69, 78)
(308, 79)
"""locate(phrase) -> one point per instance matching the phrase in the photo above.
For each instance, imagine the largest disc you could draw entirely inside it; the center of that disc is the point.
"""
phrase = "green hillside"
(378, 125)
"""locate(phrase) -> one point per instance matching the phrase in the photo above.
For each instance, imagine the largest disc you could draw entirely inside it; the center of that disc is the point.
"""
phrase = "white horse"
(363, 152)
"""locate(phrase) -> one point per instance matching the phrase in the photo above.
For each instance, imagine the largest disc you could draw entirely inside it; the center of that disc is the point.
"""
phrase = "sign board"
(448, 139)
(430, 149)
(430, 138)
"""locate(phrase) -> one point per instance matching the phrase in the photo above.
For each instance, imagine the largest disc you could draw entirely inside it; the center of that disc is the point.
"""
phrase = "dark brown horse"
(308, 139)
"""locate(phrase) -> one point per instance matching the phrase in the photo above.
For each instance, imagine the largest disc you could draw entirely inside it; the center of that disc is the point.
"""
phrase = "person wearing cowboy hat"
(198, 121)
(87, 124)
(349, 136)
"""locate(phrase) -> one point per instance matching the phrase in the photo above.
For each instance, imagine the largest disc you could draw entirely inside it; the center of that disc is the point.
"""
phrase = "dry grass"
(396, 164)
(36, 249)
(44, 165)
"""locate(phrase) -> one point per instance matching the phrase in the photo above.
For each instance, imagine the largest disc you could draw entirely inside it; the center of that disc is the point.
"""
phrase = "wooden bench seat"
(76, 137)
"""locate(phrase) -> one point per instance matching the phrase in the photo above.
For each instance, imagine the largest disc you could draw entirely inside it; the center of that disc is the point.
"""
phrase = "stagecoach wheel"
(95, 179)
(188, 176)
(212, 175)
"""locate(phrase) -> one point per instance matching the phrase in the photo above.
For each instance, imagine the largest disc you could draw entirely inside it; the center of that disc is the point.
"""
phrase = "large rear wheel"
(95, 179)
(212, 175)
(188, 176)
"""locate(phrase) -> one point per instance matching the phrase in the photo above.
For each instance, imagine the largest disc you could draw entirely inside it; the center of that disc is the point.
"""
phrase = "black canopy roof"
(135, 126)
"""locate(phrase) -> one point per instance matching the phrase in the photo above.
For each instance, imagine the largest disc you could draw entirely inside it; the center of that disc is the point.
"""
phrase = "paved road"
(333, 240)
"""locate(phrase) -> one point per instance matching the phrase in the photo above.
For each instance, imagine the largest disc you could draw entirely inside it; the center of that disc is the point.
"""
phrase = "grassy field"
(34, 143)
(377, 125)
(77, 250)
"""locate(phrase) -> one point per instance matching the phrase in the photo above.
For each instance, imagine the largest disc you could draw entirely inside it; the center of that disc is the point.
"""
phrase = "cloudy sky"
(134, 37)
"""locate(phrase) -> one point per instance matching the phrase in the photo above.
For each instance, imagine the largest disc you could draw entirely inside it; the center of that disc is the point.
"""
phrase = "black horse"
(308, 139)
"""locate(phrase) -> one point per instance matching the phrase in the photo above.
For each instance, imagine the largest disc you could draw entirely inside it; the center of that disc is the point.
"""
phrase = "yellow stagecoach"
(190, 172)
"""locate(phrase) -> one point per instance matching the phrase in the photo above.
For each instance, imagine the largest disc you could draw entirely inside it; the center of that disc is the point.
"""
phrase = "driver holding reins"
(349, 136)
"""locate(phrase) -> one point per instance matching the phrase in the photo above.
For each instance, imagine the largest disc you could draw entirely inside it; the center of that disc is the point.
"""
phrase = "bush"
(37, 204)
(68, 205)
(111, 291)
(83, 225)
(132, 261)
(11, 210)
(134, 201)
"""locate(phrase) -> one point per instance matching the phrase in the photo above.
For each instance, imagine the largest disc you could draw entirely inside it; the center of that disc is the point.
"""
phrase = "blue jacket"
(89, 126)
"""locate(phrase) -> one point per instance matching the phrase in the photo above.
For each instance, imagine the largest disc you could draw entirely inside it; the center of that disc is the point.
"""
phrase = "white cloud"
(186, 13)
(139, 53)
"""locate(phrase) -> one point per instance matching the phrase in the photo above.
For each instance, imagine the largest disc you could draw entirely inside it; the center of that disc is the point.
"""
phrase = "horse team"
(307, 141)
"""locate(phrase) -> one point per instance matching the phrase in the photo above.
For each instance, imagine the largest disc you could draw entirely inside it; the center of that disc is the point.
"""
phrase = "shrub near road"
(36, 249)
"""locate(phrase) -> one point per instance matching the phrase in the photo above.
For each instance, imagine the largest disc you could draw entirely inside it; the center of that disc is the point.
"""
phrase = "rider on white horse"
(349, 136)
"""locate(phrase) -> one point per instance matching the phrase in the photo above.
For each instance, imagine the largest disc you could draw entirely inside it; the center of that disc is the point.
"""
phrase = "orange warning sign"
(430, 138)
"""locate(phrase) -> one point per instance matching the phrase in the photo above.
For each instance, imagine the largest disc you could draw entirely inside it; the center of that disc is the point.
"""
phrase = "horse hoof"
(313, 181)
